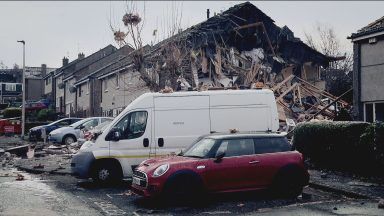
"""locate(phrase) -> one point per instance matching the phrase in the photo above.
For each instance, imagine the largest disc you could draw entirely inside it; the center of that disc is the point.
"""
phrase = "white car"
(70, 134)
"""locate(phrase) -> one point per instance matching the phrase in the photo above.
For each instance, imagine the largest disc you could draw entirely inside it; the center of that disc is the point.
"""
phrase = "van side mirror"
(219, 156)
(113, 135)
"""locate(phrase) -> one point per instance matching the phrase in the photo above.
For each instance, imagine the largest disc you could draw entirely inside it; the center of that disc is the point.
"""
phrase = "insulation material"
(204, 62)
(256, 55)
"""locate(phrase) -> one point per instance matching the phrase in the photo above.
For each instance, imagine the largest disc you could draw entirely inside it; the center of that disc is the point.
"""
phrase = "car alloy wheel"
(69, 140)
(103, 174)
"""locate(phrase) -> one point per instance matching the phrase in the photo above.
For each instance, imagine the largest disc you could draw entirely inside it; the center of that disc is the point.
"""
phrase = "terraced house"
(368, 71)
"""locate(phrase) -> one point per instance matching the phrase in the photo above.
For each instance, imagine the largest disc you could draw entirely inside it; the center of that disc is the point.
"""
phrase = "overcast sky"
(54, 29)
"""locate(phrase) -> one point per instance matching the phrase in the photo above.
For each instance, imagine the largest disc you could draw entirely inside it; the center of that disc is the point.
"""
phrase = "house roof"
(82, 63)
(221, 29)
(374, 27)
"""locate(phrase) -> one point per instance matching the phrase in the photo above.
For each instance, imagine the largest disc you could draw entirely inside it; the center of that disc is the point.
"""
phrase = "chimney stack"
(65, 61)
(207, 13)
(81, 56)
(43, 70)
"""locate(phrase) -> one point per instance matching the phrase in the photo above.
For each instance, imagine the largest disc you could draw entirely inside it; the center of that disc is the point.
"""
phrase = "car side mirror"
(113, 135)
(81, 127)
(219, 156)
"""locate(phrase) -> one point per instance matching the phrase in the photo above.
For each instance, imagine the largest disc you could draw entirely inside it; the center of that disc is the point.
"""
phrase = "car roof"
(237, 135)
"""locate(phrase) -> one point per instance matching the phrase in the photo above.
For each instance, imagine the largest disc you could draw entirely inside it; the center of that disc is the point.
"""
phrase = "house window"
(117, 81)
(79, 90)
(46, 82)
(10, 87)
(374, 112)
(106, 85)
(369, 112)
(379, 112)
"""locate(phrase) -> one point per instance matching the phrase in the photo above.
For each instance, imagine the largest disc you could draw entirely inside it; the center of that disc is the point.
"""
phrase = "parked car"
(92, 134)
(225, 163)
(35, 132)
(161, 123)
(70, 134)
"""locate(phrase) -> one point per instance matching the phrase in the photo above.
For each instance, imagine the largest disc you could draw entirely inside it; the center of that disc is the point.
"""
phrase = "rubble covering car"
(35, 132)
(228, 162)
(70, 134)
(92, 134)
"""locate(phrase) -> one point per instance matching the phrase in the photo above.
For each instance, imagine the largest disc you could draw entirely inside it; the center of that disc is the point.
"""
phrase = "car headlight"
(159, 171)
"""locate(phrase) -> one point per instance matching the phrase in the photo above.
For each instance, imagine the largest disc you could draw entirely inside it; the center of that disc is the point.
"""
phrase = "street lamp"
(24, 90)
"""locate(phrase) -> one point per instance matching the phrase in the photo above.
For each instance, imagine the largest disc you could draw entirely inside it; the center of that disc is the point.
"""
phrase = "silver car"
(70, 134)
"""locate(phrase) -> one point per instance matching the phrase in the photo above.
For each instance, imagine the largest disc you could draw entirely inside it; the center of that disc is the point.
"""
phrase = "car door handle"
(254, 162)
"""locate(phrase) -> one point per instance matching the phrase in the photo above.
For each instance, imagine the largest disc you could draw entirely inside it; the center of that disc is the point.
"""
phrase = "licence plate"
(136, 181)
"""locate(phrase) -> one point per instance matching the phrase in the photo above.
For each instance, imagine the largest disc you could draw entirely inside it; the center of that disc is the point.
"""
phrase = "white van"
(157, 124)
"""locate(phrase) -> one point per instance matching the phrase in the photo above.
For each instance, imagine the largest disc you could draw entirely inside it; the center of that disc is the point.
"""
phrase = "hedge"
(46, 115)
(352, 146)
(12, 112)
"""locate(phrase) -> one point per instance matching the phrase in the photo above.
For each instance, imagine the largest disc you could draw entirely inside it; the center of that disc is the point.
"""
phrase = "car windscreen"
(102, 126)
(55, 122)
(200, 149)
(79, 122)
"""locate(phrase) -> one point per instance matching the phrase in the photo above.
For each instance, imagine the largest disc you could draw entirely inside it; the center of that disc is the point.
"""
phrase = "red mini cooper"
(225, 163)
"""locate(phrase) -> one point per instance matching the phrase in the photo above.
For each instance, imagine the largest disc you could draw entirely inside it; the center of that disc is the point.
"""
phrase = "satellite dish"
(72, 89)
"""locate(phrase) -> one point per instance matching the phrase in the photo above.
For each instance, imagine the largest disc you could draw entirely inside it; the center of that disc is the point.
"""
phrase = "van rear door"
(179, 120)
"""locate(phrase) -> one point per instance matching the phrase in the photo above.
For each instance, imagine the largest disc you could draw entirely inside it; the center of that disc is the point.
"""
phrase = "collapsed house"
(243, 48)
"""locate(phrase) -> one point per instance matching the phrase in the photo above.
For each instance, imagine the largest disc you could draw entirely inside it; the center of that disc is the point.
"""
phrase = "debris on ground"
(381, 204)
(39, 166)
(19, 177)
(19, 150)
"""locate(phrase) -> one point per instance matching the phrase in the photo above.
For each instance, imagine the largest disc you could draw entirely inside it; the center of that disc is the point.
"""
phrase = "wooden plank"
(282, 82)
(287, 91)
(330, 104)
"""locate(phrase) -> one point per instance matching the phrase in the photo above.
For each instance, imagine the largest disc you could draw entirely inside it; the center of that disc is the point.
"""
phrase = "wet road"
(65, 195)
(33, 196)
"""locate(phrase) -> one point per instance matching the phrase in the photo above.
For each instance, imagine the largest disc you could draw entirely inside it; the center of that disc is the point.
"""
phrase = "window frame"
(219, 143)
(270, 138)
(122, 135)
(373, 110)
(11, 87)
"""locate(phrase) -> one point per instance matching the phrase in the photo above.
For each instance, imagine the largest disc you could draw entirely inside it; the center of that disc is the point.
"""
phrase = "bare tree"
(337, 76)
(325, 40)
(2, 65)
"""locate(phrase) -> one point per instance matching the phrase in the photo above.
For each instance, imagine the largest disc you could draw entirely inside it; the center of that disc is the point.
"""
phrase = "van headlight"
(159, 171)
(86, 144)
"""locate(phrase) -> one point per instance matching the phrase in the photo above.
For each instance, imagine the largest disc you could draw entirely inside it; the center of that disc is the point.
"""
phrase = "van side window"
(271, 145)
(133, 125)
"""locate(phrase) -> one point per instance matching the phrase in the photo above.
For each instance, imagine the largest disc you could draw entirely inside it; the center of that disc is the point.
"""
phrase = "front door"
(234, 171)
(135, 140)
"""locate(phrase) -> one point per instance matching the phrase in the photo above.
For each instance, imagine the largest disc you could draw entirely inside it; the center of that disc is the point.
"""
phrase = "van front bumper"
(81, 164)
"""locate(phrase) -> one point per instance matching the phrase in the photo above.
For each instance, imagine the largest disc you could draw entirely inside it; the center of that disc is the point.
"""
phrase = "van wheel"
(106, 173)
(69, 139)
(288, 184)
(183, 188)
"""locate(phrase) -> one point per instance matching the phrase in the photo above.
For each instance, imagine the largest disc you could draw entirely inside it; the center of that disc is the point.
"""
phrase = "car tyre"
(69, 139)
(288, 184)
(105, 173)
(183, 189)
